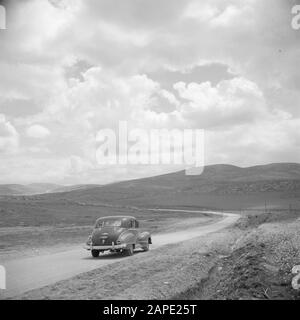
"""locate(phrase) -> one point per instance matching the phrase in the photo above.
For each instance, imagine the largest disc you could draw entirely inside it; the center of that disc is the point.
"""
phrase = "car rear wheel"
(95, 253)
(129, 251)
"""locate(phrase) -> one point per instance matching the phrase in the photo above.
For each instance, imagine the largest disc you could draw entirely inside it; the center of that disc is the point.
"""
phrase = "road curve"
(36, 272)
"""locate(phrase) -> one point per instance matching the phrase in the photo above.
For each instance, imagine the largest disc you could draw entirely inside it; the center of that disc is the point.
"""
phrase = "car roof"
(117, 217)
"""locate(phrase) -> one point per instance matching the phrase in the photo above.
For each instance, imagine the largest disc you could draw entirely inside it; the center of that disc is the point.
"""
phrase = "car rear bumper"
(110, 247)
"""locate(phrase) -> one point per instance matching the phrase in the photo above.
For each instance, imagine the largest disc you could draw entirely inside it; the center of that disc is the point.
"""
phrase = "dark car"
(117, 234)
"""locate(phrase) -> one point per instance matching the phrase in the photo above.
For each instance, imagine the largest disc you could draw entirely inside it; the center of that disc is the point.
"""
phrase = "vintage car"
(117, 234)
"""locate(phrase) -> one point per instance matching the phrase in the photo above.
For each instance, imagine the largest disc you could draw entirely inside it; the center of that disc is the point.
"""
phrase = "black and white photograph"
(149, 151)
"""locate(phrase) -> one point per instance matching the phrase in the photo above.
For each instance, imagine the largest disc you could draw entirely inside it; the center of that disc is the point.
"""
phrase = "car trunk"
(106, 235)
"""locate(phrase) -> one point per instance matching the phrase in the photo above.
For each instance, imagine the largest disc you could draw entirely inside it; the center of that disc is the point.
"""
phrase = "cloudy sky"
(71, 67)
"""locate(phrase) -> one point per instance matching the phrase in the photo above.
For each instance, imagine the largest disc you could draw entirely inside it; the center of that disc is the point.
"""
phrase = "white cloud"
(37, 131)
(228, 104)
(273, 140)
(200, 11)
(79, 165)
(9, 137)
(119, 45)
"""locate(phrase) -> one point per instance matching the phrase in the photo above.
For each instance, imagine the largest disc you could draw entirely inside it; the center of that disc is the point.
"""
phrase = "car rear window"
(109, 223)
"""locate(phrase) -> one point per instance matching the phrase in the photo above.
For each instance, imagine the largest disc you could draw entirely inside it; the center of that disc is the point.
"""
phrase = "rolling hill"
(75, 187)
(40, 188)
(33, 188)
(220, 187)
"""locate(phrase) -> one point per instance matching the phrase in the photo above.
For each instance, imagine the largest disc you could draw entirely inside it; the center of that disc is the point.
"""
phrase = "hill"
(75, 187)
(40, 188)
(218, 186)
(33, 188)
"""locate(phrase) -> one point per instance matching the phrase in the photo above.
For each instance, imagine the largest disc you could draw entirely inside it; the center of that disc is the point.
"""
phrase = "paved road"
(35, 272)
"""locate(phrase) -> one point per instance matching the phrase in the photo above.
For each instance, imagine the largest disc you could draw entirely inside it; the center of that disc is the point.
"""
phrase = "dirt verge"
(259, 267)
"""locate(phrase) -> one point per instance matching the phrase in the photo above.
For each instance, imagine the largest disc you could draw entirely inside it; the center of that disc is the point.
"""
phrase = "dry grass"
(259, 266)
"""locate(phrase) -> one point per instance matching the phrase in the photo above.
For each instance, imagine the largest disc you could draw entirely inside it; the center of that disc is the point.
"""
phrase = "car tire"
(129, 251)
(95, 253)
(146, 247)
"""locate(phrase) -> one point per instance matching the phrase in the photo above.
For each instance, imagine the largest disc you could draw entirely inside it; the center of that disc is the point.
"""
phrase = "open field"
(30, 241)
(272, 187)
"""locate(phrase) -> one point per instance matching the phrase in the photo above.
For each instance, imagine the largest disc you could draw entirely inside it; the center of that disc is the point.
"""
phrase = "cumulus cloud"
(79, 66)
(272, 140)
(229, 103)
(37, 131)
(9, 137)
